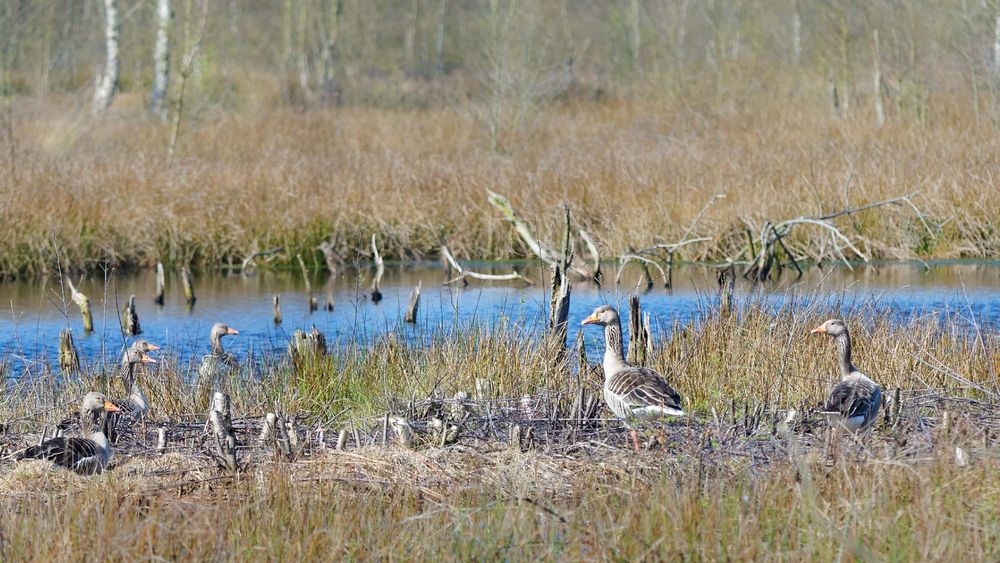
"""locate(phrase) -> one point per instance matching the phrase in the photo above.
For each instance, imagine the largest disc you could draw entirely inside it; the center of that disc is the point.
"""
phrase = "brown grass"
(634, 172)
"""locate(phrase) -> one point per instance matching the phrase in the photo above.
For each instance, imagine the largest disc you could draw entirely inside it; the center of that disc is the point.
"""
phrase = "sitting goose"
(632, 393)
(85, 456)
(135, 406)
(218, 360)
(854, 402)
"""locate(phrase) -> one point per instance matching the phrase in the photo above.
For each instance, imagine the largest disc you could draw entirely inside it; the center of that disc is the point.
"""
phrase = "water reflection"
(35, 312)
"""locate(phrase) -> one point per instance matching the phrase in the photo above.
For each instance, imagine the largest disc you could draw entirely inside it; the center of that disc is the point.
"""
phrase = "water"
(33, 316)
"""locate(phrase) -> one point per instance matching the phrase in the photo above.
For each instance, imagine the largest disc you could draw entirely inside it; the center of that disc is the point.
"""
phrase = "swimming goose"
(218, 360)
(854, 402)
(632, 393)
(134, 407)
(85, 456)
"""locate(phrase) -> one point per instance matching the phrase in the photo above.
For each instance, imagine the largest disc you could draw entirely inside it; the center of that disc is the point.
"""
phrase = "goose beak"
(152, 347)
(147, 360)
(232, 331)
(591, 320)
(818, 330)
(110, 407)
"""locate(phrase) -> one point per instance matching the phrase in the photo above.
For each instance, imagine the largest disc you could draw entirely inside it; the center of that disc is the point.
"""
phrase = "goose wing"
(78, 454)
(121, 422)
(641, 392)
(854, 397)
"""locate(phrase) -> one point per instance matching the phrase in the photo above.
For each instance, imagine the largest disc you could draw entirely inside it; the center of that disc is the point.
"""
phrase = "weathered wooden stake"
(402, 430)
(132, 326)
(583, 366)
(222, 424)
(160, 284)
(638, 336)
(379, 270)
(309, 289)
(411, 309)
(69, 360)
(161, 439)
(560, 291)
(277, 310)
(342, 439)
(83, 302)
(188, 286)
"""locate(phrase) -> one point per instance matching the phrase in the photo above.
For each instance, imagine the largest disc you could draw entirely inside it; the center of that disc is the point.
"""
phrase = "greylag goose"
(85, 456)
(854, 402)
(632, 393)
(218, 360)
(135, 406)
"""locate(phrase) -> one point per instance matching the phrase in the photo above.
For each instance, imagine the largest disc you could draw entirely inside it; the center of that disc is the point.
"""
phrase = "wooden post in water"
(277, 310)
(160, 284)
(83, 302)
(379, 270)
(188, 286)
(411, 309)
(69, 360)
(561, 287)
(309, 290)
(131, 324)
(222, 424)
(638, 334)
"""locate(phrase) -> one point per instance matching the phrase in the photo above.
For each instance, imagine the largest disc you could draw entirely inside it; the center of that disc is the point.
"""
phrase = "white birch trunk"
(796, 33)
(635, 39)
(996, 44)
(107, 87)
(439, 38)
(877, 82)
(161, 58)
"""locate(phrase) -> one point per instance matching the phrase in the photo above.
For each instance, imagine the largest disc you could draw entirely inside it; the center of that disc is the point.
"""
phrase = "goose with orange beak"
(853, 404)
(632, 393)
(134, 407)
(85, 456)
(218, 361)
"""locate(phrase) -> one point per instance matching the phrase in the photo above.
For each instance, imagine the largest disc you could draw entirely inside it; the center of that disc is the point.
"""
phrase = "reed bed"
(742, 477)
(635, 171)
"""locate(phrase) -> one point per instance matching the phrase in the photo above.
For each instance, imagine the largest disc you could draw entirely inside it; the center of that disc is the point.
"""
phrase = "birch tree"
(107, 85)
(161, 58)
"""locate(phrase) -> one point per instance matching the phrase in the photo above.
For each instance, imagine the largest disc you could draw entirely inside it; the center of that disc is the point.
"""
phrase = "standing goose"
(85, 456)
(632, 393)
(135, 406)
(854, 402)
(218, 360)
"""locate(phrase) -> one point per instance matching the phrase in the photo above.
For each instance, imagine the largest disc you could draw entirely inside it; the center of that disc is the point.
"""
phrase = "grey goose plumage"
(855, 401)
(87, 455)
(632, 393)
(134, 406)
(218, 361)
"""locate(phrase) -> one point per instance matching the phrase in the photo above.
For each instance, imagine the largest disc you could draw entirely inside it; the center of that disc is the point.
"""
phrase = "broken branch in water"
(772, 235)
(545, 253)
(463, 273)
(83, 302)
(249, 260)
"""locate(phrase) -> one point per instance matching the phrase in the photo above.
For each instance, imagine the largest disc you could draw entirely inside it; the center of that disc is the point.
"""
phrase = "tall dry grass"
(78, 193)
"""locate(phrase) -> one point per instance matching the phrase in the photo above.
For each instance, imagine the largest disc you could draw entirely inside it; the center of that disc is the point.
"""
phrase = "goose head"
(604, 315)
(832, 327)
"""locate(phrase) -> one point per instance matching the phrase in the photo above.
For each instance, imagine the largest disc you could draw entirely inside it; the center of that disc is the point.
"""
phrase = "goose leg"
(635, 439)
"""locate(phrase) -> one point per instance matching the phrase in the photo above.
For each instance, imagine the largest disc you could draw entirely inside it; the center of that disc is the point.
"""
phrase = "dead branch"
(543, 252)
(463, 273)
